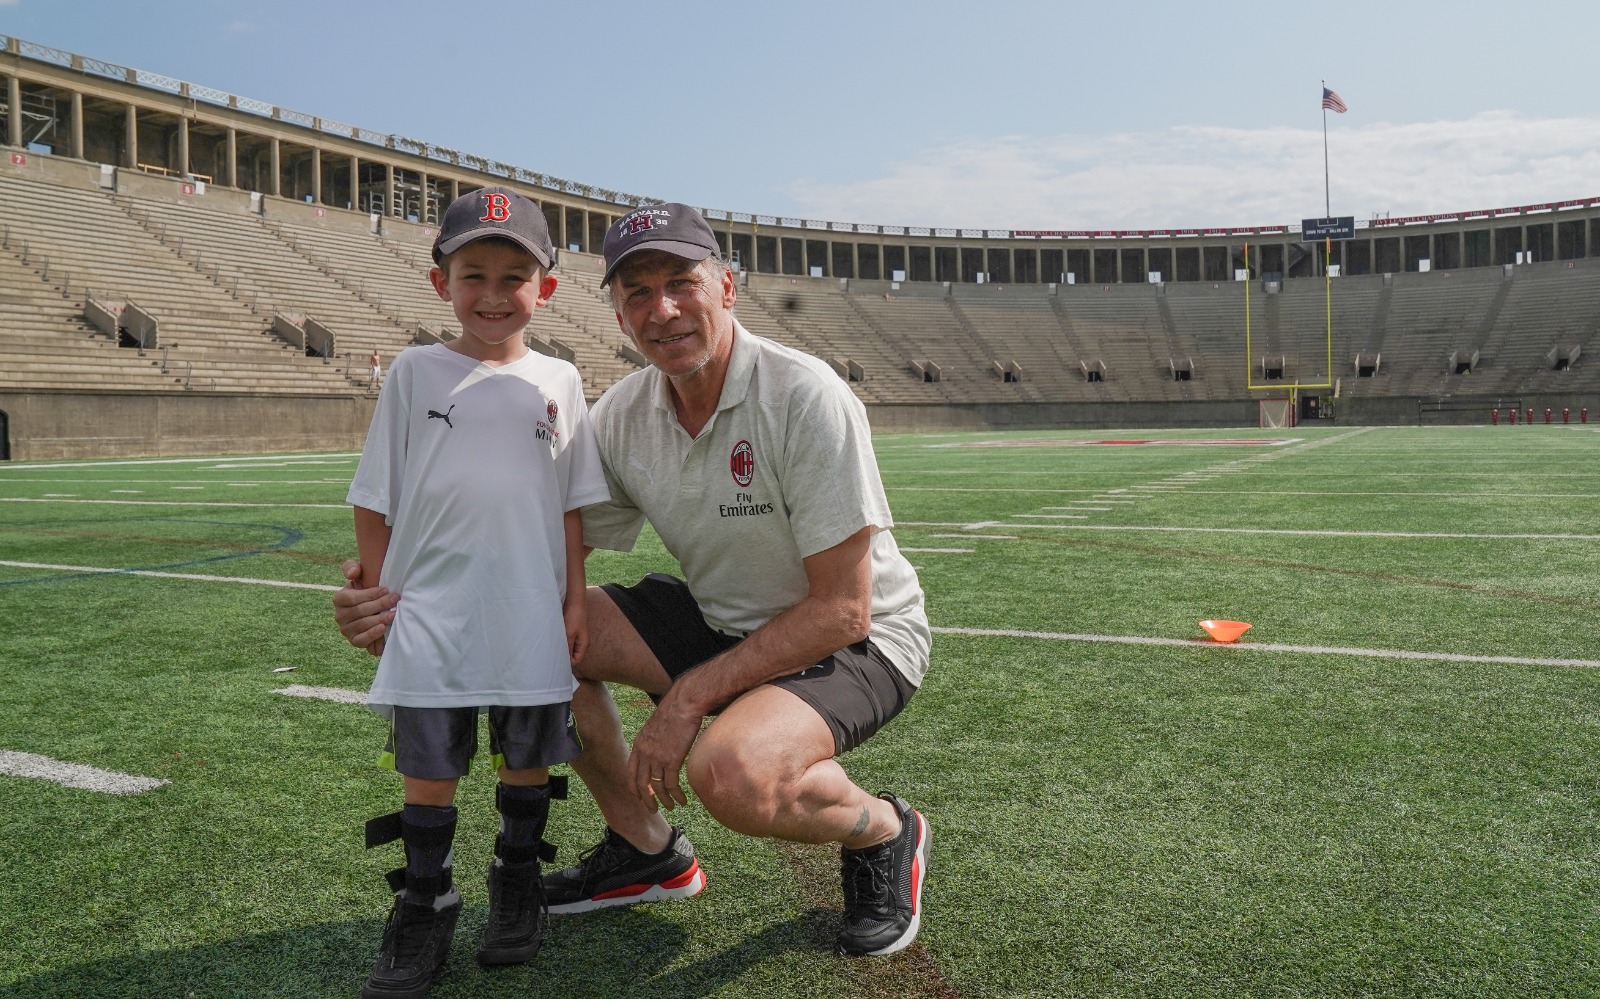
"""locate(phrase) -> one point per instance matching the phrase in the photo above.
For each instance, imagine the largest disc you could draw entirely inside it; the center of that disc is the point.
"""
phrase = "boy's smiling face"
(493, 285)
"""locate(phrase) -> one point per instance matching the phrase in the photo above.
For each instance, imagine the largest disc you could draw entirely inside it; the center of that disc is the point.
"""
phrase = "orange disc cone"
(1225, 631)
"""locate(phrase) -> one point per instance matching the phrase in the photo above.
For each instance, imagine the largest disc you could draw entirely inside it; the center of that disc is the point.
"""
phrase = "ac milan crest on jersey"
(496, 207)
(742, 463)
(550, 411)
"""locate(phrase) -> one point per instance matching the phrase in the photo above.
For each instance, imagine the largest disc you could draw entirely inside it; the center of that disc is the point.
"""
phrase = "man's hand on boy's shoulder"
(363, 615)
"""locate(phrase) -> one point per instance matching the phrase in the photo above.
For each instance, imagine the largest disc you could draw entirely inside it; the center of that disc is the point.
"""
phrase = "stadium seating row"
(215, 277)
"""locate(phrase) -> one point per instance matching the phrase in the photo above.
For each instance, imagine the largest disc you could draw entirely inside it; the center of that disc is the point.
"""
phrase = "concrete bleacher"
(1553, 306)
(1022, 326)
(265, 267)
(1122, 326)
(919, 324)
(819, 320)
(214, 271)
(209, 341)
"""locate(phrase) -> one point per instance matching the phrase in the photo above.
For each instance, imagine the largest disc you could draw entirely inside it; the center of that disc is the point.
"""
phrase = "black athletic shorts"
(856, 690)
(439, 743)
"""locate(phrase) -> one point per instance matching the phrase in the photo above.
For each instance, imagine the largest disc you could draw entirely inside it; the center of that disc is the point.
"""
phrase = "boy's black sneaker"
(416, 942)
(883, 888)
(517, 917)
(615, 872)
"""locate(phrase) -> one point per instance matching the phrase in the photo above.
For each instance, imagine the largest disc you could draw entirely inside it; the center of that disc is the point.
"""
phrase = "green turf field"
(1389, 787)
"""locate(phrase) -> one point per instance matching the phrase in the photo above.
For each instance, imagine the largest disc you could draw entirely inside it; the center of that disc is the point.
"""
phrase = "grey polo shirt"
(783, 470)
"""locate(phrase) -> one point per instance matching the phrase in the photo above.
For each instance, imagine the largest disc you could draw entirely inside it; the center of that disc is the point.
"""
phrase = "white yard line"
(973, 489)
(74, 774)
(106, 502)
(1508, 497)
(168, 575)
(1322, 650)
(321, 459)
(942, 551)
(1303, 533)
(338, 695)
(81, 481)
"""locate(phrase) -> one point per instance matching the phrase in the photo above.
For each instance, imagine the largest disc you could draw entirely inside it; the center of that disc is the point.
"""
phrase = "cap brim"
(688, 251)
(459, 240)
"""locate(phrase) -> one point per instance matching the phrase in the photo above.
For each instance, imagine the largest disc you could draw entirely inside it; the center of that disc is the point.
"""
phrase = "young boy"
(466, 504)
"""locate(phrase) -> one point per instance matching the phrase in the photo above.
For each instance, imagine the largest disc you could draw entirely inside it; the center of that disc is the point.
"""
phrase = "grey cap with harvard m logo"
(495, 211)
(672, 228)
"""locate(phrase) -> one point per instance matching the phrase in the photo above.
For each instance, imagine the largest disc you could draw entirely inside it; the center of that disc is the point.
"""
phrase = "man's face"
(493, 286)
(676, 312)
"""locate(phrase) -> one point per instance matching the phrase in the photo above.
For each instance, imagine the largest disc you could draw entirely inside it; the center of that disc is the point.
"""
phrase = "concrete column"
(754, 264)
(230, 164)
(316, 175)
(355, 183)
(75, 127)
(561, 211)
(388, 190)
(422, 198)
(130, 128)
(13, 111)
(805, 253)
(275, 163)
(455, 192)
(183, 147)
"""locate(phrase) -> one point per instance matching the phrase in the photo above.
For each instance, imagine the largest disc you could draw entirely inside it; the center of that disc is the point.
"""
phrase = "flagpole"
(1327, 200)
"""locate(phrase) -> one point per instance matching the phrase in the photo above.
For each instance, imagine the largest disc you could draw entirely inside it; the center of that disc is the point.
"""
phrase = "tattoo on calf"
(861, 824)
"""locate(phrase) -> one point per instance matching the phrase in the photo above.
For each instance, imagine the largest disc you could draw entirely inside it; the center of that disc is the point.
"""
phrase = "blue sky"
(999, 114)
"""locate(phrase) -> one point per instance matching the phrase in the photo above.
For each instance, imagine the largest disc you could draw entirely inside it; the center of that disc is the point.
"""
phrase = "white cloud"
(239, 28)
(1208, 176)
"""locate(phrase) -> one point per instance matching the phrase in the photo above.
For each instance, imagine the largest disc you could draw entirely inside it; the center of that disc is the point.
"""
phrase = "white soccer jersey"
(473, 467)
(783, 470)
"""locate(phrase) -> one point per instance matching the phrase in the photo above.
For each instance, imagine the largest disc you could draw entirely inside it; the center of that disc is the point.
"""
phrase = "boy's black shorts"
(439, 743)
(856, 690)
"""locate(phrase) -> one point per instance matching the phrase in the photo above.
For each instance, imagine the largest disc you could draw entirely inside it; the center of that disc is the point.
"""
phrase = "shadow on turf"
(605, 954)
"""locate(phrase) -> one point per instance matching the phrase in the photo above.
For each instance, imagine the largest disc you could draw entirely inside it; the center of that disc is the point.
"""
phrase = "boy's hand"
(363, 615)
(575, 615)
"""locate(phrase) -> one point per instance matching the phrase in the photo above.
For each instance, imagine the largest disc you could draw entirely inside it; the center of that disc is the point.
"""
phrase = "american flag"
(1332, 101)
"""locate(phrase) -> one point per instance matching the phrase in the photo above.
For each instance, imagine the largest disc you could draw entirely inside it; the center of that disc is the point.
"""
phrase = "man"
(799, 625)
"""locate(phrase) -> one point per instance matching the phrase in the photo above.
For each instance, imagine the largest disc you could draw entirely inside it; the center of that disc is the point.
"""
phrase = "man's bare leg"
(616, 654)
(765, 767)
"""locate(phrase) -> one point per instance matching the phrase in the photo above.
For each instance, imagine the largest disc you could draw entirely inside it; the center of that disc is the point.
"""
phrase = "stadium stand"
(186, 270)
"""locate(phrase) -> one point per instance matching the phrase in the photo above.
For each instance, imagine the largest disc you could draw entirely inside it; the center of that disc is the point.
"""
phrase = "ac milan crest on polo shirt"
(550, 411)
(742, 463)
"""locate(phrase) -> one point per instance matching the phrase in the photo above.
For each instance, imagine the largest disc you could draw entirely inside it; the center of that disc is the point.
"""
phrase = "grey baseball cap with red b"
(672, 228)
(499, 212)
